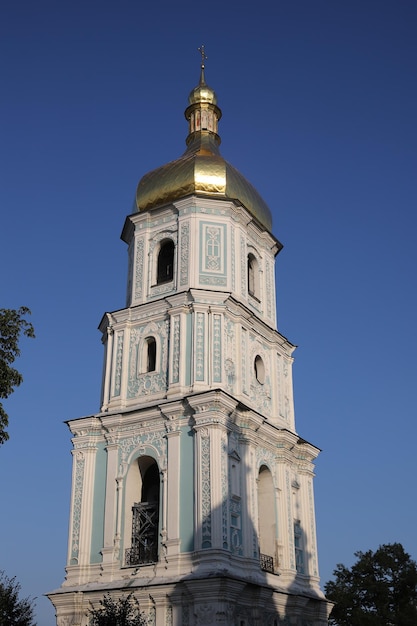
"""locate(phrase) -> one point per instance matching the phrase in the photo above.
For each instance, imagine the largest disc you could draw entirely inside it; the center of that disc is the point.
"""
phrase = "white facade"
(196, 437)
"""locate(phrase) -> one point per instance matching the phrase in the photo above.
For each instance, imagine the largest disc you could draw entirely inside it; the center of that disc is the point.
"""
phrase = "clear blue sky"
(319, 104)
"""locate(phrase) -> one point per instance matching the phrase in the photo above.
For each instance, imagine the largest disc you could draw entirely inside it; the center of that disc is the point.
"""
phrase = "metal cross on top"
(203, 55)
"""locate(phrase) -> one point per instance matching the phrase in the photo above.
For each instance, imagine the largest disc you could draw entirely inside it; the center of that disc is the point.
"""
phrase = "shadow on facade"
(240, 576)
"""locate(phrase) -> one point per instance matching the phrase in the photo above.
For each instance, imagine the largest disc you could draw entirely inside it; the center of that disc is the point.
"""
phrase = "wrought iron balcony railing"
(267, 563)
(144, 534)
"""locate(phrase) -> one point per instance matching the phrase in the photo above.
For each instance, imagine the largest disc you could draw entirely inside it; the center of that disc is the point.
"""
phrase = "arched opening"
(259, 368)
(266, 519)
(142, 481)
(253, 276)
(150, 356)
(165, 266)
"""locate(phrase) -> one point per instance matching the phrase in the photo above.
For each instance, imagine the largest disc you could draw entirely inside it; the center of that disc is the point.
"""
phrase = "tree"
(380, 588)
(13, 610)
(123, 612)
(12, 325)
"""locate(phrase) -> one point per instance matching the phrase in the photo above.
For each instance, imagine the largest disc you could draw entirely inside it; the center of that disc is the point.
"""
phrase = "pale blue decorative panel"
(213, 254)
(199, 346)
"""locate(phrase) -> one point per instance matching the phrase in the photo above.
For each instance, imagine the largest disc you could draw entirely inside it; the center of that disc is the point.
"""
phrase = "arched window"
(142, 481)
(150, 346)
(253, 276)
(266, 519)
(259, 368)
(165, 267)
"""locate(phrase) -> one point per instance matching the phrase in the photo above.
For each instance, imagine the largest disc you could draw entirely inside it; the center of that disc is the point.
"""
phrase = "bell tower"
(191, 487)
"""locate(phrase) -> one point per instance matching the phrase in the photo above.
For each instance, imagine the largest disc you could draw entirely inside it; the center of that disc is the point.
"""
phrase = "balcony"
(144, 549)
(267, 563)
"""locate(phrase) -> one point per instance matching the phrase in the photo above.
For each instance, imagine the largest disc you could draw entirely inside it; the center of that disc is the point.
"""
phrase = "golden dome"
(201, 170)
(202, 93)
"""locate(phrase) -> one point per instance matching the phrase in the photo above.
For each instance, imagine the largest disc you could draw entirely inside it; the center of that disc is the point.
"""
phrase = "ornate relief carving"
(229, 352)
(244, 360)
(313, 554)
(148, 383)
(154, 439)
(118, 363)
(217, 281)
(185, 252)
(213, 249)
(152, 616)
(199, 348)
(217, 349)
(269, 290)
(185, 614)
(290, 521)
(260, 393)
(77, 501)
(225, 490)
(233, 260)
(204, 614)
(243, 268)
(176, 349)
(139, 269)
(205, 490)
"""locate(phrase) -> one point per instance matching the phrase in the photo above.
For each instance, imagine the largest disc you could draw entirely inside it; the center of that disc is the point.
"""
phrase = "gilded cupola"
(201, 170)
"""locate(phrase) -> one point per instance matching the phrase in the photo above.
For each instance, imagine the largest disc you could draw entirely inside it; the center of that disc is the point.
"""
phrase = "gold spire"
(203, 58)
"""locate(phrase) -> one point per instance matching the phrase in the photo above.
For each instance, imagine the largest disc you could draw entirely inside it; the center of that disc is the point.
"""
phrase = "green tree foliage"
(13, 610)
(122, 612)
(379, 590)
(12, 325)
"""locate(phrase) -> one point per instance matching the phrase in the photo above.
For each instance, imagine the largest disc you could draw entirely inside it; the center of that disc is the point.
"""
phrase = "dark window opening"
(151, 354)
(165, 270)
(259, 368)
(251, 275)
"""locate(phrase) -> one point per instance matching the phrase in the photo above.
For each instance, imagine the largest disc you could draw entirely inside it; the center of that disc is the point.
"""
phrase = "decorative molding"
(154, 440)
(243, 267)
(205, 489)
(184, 253)
(233, 260)
(217, 348)
(176, 348)
(216, 281)
(118, 364)
(77, 501)
(269, 290)
(140, 246)
(148, 383)
(225, 489)
(200, 346)
(244, 359)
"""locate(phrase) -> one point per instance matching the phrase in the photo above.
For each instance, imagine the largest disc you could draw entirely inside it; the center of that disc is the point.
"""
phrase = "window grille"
(267, 563)
(144, 534)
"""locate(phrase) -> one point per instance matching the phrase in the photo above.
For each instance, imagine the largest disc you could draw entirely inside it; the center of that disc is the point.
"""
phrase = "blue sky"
(319, 100)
